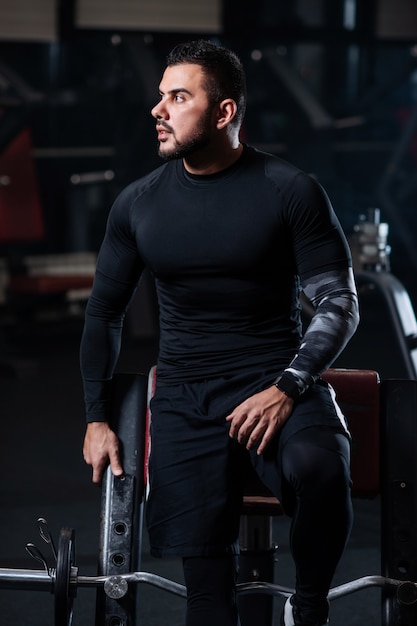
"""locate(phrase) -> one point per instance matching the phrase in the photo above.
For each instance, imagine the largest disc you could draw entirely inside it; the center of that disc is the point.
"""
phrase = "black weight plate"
(62, 591)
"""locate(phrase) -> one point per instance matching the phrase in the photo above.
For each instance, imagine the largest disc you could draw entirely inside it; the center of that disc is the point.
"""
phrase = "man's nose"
(158, 111)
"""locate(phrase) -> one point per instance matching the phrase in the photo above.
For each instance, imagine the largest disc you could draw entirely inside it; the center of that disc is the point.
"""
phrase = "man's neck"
(204, 164)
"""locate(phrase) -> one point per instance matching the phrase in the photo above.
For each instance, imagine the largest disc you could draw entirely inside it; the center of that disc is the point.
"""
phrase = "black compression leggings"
(315, 467)
(211, 596)
(316, 492)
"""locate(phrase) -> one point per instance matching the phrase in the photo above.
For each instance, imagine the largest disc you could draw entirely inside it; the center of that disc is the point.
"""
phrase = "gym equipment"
(64, 580)
(363, 396)
(381, 296)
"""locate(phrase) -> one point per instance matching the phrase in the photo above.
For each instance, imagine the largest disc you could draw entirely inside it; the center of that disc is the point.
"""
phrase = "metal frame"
(399, 499)
(122, 500)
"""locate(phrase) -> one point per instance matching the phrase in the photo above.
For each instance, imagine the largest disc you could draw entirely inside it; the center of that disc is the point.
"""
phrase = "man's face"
(184, 116)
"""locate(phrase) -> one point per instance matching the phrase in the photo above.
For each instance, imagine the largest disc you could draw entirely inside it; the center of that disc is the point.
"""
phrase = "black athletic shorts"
(196, 470)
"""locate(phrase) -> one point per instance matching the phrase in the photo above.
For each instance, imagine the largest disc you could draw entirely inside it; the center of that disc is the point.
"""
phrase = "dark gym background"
(332, 87)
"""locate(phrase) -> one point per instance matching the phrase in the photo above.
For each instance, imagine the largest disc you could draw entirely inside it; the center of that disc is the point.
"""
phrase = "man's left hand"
(255, 422)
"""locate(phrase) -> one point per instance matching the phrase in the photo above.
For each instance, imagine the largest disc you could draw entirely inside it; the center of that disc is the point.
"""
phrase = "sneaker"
(289, 617)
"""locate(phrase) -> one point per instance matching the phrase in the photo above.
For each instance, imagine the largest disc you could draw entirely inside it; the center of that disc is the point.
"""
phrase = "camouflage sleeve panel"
(334, 298)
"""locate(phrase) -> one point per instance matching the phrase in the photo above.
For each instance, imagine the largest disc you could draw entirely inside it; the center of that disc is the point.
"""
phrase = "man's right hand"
(101, 446)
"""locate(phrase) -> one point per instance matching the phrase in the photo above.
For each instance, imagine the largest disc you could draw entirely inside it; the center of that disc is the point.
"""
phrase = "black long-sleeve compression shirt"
(230, 253)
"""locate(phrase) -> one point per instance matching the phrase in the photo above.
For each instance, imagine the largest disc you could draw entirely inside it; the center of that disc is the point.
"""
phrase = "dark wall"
(90, 94)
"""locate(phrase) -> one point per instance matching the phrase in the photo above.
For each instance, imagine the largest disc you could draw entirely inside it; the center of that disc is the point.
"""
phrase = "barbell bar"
(64, 580)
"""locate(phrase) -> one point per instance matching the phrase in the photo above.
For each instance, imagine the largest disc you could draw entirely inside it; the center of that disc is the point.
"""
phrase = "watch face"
(289, 387)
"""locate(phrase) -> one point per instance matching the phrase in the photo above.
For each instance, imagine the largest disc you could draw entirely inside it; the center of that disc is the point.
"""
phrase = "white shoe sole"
(288, 614)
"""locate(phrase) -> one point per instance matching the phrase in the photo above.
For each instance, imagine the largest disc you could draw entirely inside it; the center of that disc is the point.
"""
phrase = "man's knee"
(308, 467)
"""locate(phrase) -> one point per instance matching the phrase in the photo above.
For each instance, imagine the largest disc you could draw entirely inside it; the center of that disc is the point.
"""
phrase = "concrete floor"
(43, 475)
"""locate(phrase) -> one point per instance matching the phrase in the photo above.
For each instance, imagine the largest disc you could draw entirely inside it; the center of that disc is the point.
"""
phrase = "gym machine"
(386, 307)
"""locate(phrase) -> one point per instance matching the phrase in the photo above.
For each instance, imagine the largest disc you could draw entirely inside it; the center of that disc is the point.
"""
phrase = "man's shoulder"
(145, 182)
(130, 197)
(273, 162)
(280, 171)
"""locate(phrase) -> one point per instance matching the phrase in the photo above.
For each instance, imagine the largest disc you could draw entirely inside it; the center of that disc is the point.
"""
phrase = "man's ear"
(226, 112)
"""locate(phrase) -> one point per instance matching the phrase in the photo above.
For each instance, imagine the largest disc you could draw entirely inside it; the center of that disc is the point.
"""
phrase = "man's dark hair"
(225, 76)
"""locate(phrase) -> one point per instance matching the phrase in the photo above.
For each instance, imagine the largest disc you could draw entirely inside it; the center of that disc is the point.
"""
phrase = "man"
(231, 235)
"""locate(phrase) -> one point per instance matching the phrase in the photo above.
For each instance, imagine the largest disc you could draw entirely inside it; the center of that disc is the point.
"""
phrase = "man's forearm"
(333, 295)
(99, 352)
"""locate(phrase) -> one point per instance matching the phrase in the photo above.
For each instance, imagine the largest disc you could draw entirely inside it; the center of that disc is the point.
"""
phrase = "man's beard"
(195, 142)
(181, 151)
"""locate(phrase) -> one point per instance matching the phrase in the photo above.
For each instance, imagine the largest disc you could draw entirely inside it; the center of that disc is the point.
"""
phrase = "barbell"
(63, 580)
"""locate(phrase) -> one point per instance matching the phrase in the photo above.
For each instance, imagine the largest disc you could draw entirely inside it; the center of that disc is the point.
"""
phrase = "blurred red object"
(20, 206)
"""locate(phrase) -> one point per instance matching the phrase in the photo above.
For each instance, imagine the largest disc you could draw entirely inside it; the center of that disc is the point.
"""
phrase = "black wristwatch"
(288, 386)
